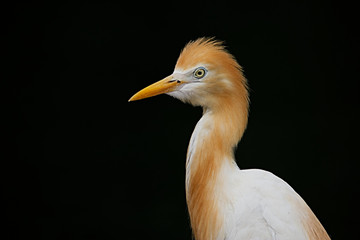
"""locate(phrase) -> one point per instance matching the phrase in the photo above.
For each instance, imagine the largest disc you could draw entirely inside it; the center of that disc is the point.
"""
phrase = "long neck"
(210, 156)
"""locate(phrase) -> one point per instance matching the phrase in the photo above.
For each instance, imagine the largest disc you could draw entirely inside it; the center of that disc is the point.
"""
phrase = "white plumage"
(256, 204)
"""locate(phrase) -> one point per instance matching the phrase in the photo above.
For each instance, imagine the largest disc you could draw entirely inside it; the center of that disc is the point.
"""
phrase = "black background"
(82, 163)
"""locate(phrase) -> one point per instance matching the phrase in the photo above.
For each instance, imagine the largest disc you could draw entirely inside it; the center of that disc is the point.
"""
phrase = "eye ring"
(199, 72)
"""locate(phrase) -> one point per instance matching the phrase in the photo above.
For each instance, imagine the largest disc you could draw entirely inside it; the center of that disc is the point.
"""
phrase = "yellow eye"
(199, 73)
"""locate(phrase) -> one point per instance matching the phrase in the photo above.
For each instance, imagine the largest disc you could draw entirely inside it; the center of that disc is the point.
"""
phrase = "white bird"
(225, 202)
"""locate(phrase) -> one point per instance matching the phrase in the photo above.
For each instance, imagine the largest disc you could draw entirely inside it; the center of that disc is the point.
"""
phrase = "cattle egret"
(225, 202)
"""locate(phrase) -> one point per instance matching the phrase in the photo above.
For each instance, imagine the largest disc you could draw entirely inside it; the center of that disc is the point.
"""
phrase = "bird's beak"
(165, 85)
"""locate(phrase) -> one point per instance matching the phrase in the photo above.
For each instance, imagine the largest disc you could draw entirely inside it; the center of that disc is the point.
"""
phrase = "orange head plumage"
(205, 75)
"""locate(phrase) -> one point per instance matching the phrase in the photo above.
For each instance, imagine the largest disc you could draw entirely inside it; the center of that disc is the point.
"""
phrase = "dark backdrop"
(82, 163)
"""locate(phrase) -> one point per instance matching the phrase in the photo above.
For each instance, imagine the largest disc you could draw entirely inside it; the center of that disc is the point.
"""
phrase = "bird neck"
(210, 157)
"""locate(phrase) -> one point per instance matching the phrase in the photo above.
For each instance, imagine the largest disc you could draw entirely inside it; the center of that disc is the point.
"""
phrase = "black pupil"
(199, 73)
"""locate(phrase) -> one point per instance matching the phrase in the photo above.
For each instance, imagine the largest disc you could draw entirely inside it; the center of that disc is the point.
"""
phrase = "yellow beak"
(165, 85)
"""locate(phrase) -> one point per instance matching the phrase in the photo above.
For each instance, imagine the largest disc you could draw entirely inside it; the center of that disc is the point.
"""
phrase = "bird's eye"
(199, 73)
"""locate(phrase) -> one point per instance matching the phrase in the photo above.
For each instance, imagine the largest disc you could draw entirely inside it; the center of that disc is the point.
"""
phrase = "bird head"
(205, 75)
